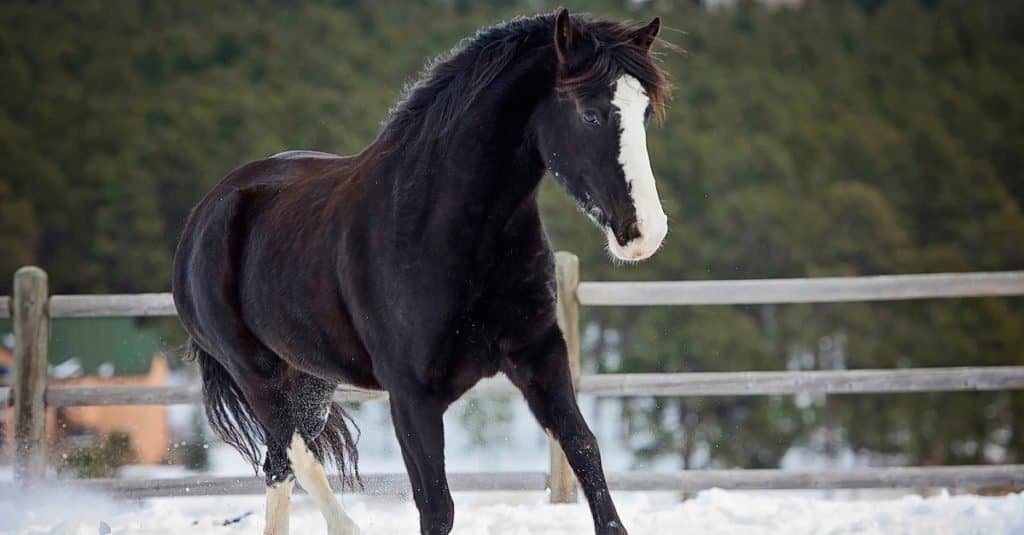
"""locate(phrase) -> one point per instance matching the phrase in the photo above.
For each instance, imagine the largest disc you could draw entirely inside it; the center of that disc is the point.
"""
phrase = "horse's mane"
(450, 84)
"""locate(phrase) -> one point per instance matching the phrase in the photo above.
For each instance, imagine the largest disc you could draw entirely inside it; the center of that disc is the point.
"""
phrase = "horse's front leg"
(420, 430)
(541, 372)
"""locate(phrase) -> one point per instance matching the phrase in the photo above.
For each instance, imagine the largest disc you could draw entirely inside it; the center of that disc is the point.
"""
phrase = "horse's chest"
(496, 327)
(504, 321)
(477, 335)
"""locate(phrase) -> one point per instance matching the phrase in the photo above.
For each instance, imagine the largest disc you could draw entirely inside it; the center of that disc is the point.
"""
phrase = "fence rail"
(717, 292)
(622, 385)
(963, 477)
(819, 290)
(32, 310)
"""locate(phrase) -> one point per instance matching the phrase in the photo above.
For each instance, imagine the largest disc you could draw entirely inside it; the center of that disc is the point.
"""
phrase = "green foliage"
(194, 453)
(839, 138)
(101, 460)
(486, 420)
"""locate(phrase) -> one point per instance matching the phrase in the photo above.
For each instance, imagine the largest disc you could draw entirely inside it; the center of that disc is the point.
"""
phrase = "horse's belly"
(328, 355)
(309, 334)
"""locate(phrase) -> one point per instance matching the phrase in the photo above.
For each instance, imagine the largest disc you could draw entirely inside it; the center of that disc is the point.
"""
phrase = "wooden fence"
(32, 308)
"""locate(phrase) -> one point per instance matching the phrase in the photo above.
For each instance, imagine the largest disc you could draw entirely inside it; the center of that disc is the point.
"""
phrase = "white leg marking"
(631, 100)
(279, 497)
(310, 474)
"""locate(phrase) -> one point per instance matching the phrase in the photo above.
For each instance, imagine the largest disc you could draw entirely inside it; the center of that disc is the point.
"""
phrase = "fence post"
(31, 338)
(567, 273)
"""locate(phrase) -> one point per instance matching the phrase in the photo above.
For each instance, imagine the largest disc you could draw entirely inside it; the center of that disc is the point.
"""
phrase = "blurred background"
(806, 138)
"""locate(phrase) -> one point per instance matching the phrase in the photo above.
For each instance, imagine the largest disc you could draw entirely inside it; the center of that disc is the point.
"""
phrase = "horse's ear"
(645, 36)
(566, 36)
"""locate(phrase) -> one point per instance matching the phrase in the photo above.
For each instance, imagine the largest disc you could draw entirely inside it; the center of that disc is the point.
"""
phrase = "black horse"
(420, 265)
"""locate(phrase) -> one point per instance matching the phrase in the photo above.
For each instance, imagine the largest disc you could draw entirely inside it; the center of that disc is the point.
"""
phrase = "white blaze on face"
(632, 101)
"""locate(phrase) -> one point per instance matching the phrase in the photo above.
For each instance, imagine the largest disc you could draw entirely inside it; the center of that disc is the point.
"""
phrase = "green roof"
(122, 342)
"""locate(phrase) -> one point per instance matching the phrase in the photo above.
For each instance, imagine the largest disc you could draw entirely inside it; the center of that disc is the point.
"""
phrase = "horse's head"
(591, 131)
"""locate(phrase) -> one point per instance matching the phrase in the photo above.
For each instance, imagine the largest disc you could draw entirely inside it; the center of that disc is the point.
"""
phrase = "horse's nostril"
(632, 231)
(629, 232)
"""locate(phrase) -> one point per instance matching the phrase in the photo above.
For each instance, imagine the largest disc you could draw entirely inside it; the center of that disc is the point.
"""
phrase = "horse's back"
(252, 188)
(298, 154)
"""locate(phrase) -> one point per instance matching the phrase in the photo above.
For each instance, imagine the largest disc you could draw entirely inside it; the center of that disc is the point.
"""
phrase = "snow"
(519, 446)
(527, 513)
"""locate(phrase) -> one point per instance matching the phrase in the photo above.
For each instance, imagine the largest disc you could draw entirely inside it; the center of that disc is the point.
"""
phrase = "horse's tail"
(234, 422)
(337, 444)
(226, 409)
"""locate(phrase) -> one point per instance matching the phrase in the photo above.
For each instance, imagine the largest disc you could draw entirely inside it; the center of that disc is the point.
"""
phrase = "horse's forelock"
(617, 52)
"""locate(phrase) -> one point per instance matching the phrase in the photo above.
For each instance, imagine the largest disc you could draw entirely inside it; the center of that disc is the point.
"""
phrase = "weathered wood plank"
(567, 273)
(31, 341)
(375, 485)
(113, 305)
(824, 382)
(812, 290)
(965, 477)
(71, 396)
(717, 292)
(74, 396)
(618, 385)
(961, 477)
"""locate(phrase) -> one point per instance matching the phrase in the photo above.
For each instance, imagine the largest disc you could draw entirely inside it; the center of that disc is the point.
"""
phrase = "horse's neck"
(487, 166)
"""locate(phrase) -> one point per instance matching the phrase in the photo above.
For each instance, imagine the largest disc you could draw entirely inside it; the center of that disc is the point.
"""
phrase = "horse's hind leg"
(279, 497)
(296, 412)
(247, 410)
(270, 408)
(310, 473)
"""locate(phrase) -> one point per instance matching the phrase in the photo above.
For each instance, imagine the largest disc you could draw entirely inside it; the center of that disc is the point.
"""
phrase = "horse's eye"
(591, 117)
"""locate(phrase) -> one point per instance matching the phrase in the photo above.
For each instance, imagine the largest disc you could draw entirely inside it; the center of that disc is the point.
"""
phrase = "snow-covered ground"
(711, 512)
(517, 445)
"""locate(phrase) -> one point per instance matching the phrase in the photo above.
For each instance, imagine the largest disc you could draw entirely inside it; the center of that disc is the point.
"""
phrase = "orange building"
(147, 425)
(6, 365)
